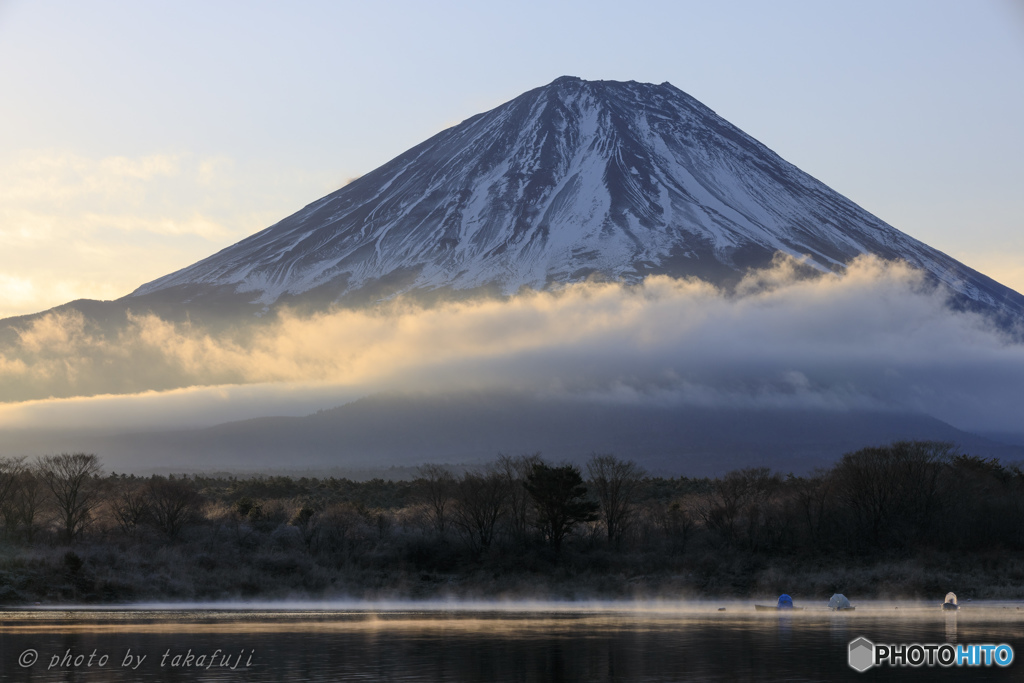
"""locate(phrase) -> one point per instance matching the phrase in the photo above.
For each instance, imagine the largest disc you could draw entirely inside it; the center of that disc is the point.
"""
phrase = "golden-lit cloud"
(875, 337)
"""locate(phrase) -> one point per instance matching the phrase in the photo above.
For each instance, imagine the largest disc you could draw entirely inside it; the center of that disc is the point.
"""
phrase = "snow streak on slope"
(570, 180)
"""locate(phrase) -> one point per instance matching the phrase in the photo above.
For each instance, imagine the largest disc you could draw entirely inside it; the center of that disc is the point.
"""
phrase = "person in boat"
(785, 602)
(950, 602)
(838, 602)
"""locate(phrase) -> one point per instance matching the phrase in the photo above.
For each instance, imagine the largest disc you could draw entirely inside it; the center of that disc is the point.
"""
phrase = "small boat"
(776, 608)
(785, 603)
(950, 602)
(840, 603)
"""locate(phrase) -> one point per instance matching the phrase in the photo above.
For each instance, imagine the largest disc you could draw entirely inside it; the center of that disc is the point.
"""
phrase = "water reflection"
(951, 627)
(662, 642)
(838, 629)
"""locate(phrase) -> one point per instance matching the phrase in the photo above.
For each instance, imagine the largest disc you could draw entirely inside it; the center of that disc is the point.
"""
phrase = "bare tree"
(740, 506)
(27, 499)
(21, 498)
(342, 529)
(173, 503)
(813, 495)
(676, 524)
(437, 486)
(10, 471)
(891, 491)
(71, 478)
(516, 470)
(479, 504)
(615, 483)
(130, 505)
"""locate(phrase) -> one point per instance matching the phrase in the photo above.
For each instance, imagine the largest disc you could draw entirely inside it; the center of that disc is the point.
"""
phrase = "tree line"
(514, 514)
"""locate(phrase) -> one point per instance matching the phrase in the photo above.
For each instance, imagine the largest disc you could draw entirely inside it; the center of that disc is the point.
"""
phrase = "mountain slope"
(572, 180)
(389, 430)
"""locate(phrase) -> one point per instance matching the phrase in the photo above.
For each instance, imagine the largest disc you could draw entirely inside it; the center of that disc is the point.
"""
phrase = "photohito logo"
(863, 654)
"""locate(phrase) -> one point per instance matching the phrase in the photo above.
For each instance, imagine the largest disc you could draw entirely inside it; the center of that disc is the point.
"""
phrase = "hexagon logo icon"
(862, 654)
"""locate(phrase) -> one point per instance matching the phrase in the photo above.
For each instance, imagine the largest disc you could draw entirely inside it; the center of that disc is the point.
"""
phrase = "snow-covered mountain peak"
(567, 181)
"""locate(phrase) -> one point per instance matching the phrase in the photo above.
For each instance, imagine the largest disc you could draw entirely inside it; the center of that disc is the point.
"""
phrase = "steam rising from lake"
(875, 337)
(296, 609)
(515, 618)
(648, 640)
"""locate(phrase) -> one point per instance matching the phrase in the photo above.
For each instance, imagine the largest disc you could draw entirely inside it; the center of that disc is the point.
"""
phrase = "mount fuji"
(574, 180)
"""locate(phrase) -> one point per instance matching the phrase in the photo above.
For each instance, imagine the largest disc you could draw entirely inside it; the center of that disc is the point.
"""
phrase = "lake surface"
(490, 642)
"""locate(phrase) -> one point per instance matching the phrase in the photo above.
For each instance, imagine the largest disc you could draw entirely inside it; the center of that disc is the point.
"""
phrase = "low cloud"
(875, 337)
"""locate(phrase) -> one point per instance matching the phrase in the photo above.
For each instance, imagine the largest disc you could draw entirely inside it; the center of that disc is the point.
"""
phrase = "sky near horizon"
(138, 138)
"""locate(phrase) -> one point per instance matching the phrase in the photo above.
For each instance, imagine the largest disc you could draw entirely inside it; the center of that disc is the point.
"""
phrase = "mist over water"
(908, 608)
(473, 641)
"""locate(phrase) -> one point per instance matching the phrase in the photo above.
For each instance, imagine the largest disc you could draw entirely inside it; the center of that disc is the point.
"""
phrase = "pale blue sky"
(139, 137)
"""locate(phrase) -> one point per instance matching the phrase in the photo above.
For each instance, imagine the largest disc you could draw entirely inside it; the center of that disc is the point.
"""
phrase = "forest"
(909, 519)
